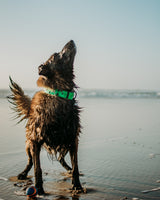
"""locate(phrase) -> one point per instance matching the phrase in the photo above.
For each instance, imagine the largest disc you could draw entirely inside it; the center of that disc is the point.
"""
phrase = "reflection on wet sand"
(58, 190)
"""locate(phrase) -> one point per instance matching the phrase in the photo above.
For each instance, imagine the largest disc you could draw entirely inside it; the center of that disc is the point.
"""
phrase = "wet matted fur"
(52, 122)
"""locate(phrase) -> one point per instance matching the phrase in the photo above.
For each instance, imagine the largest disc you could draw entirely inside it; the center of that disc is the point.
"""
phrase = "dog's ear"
(68, 53)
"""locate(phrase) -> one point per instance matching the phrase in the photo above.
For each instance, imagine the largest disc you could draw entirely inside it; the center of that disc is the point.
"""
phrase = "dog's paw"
(22, 176)
(77, 190)
(40, 190)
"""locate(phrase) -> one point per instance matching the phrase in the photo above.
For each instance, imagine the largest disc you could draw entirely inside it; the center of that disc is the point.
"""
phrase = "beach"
(119, 151)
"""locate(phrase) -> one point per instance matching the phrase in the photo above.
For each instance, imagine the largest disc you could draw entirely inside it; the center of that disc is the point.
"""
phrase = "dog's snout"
(71, 44)
(69, 49)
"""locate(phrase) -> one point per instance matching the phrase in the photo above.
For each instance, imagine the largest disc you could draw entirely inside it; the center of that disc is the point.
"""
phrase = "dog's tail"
(21, 102)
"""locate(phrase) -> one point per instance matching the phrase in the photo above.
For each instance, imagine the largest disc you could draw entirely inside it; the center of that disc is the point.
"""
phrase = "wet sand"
(119, 152)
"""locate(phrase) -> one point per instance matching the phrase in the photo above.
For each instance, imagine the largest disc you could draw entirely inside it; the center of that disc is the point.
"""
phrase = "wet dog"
(52, 115)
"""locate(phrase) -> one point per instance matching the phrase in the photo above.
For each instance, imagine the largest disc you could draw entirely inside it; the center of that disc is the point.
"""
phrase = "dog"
(53, 116)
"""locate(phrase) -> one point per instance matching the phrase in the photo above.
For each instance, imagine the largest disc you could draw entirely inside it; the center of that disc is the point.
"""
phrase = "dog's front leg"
(37, 168)
(23, 175)
(76, 185)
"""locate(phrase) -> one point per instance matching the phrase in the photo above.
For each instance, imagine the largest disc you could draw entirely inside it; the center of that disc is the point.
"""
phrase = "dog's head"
(57, 71)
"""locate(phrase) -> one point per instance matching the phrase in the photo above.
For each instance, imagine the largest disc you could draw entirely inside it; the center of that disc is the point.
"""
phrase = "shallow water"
(119, 151)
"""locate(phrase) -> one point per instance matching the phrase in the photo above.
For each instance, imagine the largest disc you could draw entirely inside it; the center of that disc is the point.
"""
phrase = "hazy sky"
(118, 41)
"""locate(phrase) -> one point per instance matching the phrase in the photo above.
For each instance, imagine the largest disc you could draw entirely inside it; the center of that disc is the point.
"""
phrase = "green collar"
(62, 94)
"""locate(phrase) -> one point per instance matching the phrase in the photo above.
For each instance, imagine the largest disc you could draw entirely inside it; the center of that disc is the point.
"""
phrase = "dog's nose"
(71, 44)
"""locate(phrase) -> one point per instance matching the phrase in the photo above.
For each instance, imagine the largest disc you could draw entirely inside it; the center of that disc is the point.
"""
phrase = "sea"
(118, 155)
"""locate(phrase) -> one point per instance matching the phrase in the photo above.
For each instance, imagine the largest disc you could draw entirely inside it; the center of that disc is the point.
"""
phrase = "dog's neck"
(62, 94)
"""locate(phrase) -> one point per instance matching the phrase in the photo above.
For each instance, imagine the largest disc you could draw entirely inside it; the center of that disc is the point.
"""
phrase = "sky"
(118, 41)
